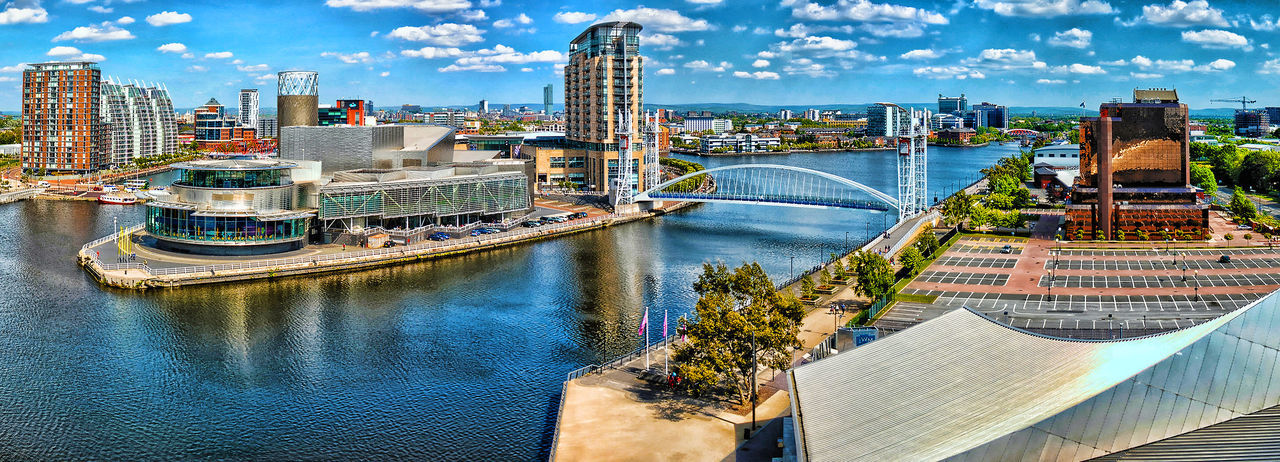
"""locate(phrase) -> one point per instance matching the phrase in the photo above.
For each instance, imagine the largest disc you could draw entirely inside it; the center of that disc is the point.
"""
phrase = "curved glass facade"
(234, 179)
(183, 224)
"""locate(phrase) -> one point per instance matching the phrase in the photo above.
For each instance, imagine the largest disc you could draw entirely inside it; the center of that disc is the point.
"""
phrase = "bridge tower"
(652, 171)
(913, 162)
(622, 187)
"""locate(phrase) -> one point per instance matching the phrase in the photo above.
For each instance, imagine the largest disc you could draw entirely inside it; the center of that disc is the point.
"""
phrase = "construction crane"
(1243, 100)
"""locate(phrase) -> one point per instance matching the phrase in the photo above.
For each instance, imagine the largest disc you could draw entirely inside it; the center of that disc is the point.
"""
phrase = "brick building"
(62, 128)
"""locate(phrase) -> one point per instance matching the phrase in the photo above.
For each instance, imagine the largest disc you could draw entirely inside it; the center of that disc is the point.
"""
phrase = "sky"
(773, 52)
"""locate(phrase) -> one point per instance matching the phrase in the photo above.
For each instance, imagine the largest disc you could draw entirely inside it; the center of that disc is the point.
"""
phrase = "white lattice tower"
(920, 158)
(626, 148)
(652, 171)
(906, 171)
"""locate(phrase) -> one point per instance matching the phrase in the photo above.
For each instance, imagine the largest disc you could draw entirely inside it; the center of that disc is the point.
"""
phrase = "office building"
(785, 115)
(410, 108)
(887, 120)
(1252, 123)
(603, 89)
(952, 104)
(990, 115)
(1135, 171)
(812, 114)
(1273, 116)
(214, 127)
(62, 128)
(368, 108)
(268, 127)
(483, 107)
(702, 124)
(944, 121)
(297, 98)
(141, 122)
(547, 100)
(380, 146)
(739, 143)
(248, 115)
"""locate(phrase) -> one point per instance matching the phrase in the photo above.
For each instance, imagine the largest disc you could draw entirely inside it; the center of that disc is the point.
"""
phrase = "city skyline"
(788, 52)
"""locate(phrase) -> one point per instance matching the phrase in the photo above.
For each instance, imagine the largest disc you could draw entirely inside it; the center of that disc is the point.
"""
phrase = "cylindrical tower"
(297, 99)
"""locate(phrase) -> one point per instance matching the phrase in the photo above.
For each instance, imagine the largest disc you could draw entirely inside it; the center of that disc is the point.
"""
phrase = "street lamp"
(837, 313)
(1196, 275)
(793, 268)
(846, 241)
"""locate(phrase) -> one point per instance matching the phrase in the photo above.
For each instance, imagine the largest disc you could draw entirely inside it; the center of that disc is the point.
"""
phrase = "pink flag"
(644, 323)
(664, 323)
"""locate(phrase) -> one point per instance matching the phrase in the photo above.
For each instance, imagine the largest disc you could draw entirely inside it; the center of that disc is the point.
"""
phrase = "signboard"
(863, 335)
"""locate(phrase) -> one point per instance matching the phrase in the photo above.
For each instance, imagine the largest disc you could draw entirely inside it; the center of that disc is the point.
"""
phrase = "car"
(389, 244)
(1006, 249)
(577, 215)
(486, 230)
(531, 224)
(440, 236)
(1224, 259)
(476, 232)
(1244, 227)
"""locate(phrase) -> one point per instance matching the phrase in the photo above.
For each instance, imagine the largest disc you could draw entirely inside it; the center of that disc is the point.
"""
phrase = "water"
(457, 359)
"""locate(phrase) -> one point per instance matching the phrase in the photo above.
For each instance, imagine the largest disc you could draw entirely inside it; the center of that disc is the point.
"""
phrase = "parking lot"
(1167, 264)
(949, 277)
(987, 249)
(1203, 280)
(1162, 250)
(977, 262)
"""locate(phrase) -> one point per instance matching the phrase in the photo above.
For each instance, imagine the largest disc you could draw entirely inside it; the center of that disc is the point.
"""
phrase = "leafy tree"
(1079, 234)
(824, 277)
(1248, 236)
(1228, 237)
(1260, 170)
(1100, 235)
(1202, 176)
(732, 306)
(1120, 235)
(911, 261)
(1000, 201)
(1143, 235)
(1002, 184)
(957, 208)
(1164, 234)
(1241, 206)
(837, 267)
(807, 287)
(875, 275)
(927, 243)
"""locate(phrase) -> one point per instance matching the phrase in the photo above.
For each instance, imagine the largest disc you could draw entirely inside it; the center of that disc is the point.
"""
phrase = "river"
(455, 359)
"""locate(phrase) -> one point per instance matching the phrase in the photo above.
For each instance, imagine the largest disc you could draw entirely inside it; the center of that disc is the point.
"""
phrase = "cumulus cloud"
(1074, 38)
(473, 68)
(254, 68)
(22, 13)
(361, 57)
(1045, 8)
(949, 72)
(428, 6)
(701, 65)
(172, 48)
(1270, 67)
(760, 63)
(1146, 75)
(660, 41)
(805, 67)
(1051, 81)
(1181, 65)
(661, 20)
(927, 53)
(506, 55)
(101, 9)
(433, 53)
(1181, 14)
(218, 55)
(666, 71)
(1078, 68)
(447, 34)
(63, 53)
(472, 15)
(104, 32)
(758, 75)
(1216, 38)
(167, 18)
(197, 68)
(863, 11)
(573, 17)
(125, 20)
(1006, 59)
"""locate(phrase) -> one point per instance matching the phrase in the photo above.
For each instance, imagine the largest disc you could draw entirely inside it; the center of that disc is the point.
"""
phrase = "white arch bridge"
(768, 184)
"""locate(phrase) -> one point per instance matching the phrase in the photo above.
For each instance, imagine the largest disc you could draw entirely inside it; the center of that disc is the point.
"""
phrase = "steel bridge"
(767, 184)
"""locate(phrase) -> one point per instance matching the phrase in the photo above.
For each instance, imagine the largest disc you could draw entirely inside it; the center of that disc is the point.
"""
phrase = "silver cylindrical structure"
(297, 99)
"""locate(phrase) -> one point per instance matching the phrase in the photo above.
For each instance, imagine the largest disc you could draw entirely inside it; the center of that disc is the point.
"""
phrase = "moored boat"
(118, 199)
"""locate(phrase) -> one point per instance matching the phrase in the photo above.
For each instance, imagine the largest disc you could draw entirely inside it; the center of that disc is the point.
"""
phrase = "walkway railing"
(112, 237)
(620, 360)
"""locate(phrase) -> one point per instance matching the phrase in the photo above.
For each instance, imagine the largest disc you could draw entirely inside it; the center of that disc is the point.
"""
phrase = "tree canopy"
(875, 275)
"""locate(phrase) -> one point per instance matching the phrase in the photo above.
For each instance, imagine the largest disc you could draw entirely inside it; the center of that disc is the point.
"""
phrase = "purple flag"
(664, 323)
(644, 323)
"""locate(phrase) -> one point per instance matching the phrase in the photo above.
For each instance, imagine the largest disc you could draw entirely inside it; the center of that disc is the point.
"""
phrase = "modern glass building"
(230, 207)
(141, 121)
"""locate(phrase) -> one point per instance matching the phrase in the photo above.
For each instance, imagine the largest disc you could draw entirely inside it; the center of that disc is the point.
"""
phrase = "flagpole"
(666, 346)
(646, 338)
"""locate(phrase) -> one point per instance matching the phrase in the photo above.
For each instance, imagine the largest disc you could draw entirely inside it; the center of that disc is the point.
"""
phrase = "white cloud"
(812, 70)
(526, 69)
(661, 20)
(428, 6)
(1006, 59)
(472, 15)
(104, 32)
(349, 58)
(1078, 68)
(63, 51)
(767, 54)
(701, 65)
(1182, 14)
(666, 71)
(1217, 65)
(385, 73)
(101, 9)
(894, 30)
(1051, 81)
(125, 20)
(502, 54)
(1074, 38)
(739, 28)
(29, 14)
(1182, 65)
(254, 68)
(490, 3)
(760, 63)
(188, 56)
(949, 72)
(801, 30)
(1146, 75)
(1216, 38)
(172, 48)
(473, 68)
(1141, 61)
(447, 34)
(73, 54)
(14, 68)
(197, 68)
(503, 23)
(433, 53)
(168, 18)
(1270, 67)
(863, 11)
(660, 41)
(1034, 37)
(1118, 62)
(524, 19)
(1045, 8)
(758, 75)
(573, 17)
(926, 53)
(1265, 23)
(705, 2)
(218, 55)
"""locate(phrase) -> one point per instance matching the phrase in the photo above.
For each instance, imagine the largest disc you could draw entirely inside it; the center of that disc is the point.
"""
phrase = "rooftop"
(235, 164)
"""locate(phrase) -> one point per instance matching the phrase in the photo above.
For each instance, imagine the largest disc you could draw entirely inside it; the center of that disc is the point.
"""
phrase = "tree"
(1003, 184)
(875, 275)
(837, 267)
(807, 287)
(956, 209)
(1260, 170)
(1202, 176)
(911, 261)
(1228, 237)
(1143, 235)
(1241, 206)
(824, 277)
(732, 306)
(927, 243)
(1100, 235)
(1079, 234)
(1120, 235)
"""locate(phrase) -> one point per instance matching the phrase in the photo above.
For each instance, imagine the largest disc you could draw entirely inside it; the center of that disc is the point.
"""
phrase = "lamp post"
(846, 241)
(793, 268)
(1196, 275)
(837, 313)
(753, 382)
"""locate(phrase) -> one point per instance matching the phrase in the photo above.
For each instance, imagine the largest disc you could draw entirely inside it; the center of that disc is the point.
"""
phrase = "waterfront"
(459, 358)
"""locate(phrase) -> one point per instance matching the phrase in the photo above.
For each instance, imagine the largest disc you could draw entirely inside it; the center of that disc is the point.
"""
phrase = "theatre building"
(1135, 172)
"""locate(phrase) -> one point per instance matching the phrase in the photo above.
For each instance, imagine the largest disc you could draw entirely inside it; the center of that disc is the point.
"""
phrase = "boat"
(118, 199)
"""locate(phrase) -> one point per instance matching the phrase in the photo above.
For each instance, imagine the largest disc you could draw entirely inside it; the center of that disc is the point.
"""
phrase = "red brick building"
(62, 129)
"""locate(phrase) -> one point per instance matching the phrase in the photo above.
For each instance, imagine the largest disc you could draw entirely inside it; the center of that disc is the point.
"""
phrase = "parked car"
(476, 232)
(1006, 249)
(441, 236)
(531, 224)
(1224, 259)
(1244, 227)
(389, 243)
(577, 215)
(490, 230)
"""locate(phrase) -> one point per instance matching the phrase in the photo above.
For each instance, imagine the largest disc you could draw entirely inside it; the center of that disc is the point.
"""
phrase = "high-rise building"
(602, 91)
(785, 115)
(547, 99)
(994, 116)
(1135, 171)
(248, 115)
(1253, 123)
(215, 127)
(1273, 116)
(297, 98)
(702, 124)
(355, 111)
(62, 129)
(141, 122)
(483, 107)
(268, 128)
(886, 120)
(812, 114)
(368, 107)
(952, 104)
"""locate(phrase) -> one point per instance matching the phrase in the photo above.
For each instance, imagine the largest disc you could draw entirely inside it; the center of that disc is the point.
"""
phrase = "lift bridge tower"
(913, 160)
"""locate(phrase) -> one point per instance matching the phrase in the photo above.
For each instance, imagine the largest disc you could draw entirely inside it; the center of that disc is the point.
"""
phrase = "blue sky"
(796, 52)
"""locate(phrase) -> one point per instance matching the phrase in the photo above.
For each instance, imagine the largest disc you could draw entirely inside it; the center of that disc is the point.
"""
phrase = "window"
(577, 162)
(557, 162)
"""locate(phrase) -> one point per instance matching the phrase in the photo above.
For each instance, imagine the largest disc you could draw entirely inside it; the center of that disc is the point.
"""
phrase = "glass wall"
(228, 179)
(179, 224)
